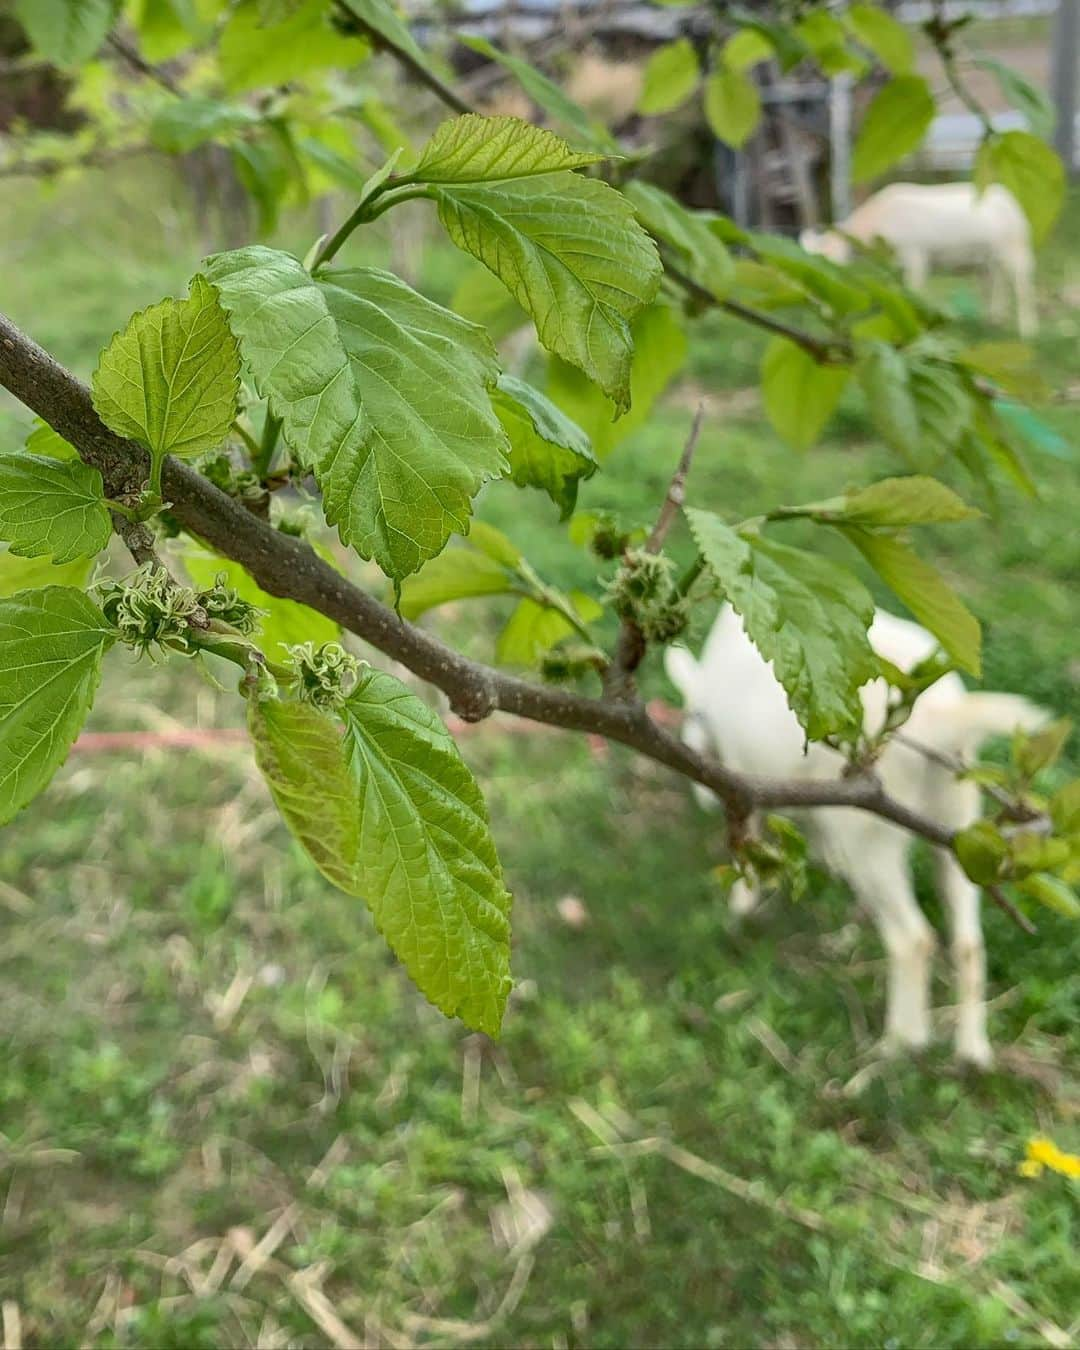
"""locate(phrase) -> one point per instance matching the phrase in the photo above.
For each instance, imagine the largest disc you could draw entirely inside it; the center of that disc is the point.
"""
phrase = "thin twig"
(416, 68)
(138, 62)
(998, 896)
(676, 493)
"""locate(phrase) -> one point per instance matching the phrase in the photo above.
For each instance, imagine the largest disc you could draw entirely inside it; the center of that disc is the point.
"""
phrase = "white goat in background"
(950, 223)
(736, 707)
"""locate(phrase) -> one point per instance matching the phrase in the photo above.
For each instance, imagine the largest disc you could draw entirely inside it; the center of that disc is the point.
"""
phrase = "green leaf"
(51, 645)
(388, 811)
(885, 36)
(52, 507)
(458, 573)
(670, 77)
(266, 168)
(562, 109)
(895, 123)
(475, 149)
(494, 544)
(43, 440)
(744, 49)
(826, 38)
(944, 409)
(896, 502)
(805, 614)
(1042, 749)
(382, 19)
(171, 379)
(732, 105)
(31, 574)
(925, 592)
(699, 252)
(571, 253)
(799, 393)
(981, 850)
(66, 32)
(383, 394)
(183, 123)
(284, 622)
(253, 54)
(547, 450)
(1065, 808)
(1052, 892)
(886, 383)
(825, 280)
(1022, 95)
(533, 629)
(1030, 170)
(660, 349)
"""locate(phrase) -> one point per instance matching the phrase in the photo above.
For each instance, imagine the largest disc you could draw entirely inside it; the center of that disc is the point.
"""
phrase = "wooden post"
(1065, 56)
(840, 147)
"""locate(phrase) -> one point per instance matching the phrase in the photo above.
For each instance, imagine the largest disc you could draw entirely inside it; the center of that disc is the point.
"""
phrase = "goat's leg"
(961, 899)
(915, 266)
(1000, 281)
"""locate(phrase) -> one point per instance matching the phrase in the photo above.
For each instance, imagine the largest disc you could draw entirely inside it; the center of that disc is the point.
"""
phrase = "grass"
(228, 1119)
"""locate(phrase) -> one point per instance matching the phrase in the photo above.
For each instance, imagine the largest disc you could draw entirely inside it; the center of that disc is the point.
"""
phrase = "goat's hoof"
(975, 1055)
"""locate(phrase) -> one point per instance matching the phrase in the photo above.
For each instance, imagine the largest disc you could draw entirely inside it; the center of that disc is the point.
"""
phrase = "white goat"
(950, 223)
(736, 707)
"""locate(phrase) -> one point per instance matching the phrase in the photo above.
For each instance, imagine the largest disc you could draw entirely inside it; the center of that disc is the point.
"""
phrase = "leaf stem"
(263, 456)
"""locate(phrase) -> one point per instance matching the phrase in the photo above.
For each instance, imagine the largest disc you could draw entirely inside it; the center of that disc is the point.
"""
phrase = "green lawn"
(206, 1047)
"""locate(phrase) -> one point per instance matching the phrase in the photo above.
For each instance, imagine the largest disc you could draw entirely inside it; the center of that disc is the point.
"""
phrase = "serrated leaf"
(1030, 170)
(181, 124)
(171, 379)
(925, 592)
(670, 77)
(252, 54)
(885, 36)
(805, 614)
(31, 574)
(944, 409)
(284, 622)
(697, 249)
(475, 149)
(732, 105)
(571, 253)
(51, 644)
(547, 450)
(895, 123)
(458, 573)
(886, 383)
(557, 104)
(388, 811)
(800, 394)
(52, 508)
(43, 440)
(383, 394)
(660, 349)
(66, 32)
(913, 500)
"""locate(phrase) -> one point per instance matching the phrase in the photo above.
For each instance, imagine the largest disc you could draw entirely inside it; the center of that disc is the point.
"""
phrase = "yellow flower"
(1043, 1152)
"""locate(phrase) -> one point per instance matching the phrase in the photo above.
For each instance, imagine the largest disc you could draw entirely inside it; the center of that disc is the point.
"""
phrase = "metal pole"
(1065, 57)
(840, 147)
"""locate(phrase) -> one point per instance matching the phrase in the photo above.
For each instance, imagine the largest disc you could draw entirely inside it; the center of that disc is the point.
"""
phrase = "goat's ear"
(682, 670)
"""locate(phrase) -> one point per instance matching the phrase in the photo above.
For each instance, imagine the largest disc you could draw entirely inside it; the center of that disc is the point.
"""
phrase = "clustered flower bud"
(644, 592)
(148, 607)
(325, 676)
(224, 602)
(223, 473)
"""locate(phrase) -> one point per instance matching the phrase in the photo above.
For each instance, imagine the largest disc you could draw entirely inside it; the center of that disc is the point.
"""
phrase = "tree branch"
(286, 566)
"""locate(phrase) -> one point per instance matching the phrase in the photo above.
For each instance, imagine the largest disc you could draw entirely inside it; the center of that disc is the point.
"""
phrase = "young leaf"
(184, 123)
(925, 592)
(283, 622)
(1042, 749)
(886, 383)
(981, 850)
(1031, 171)
(748, 47)
(51, 644)
(805, 614)
(1052, 892)
(895, 124)
(944, 409)
(254, 53)
(671, 76)
(800, 394)
(660, 349)
(54, 507)
(570, 252)
(732, 106)
(383, 394)
(382, 19)
(475, 149)
(66, 32)
(458, 573)
(559, 106)
(885, 36)
(31, 574)
(389, 812)
(533, 629)
(43, 440)
(547, 450)
(896, 502)
(171, 379)
(1022, 95)
(697, 249)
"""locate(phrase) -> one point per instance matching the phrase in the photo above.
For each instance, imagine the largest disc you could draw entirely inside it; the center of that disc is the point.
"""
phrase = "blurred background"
(227, 1118)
